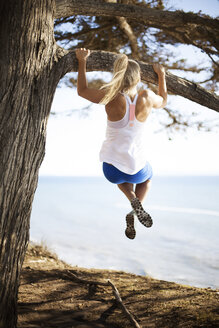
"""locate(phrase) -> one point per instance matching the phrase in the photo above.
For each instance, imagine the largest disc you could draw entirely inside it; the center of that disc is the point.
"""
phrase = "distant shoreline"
(67, 211)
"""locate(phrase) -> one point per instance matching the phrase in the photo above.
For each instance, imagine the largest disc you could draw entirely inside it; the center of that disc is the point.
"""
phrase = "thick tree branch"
(66, 8)
(151, 17)
(103, 61)
(126, 28)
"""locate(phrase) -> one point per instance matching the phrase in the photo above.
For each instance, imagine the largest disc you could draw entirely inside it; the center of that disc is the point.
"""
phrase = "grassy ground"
(48, 297)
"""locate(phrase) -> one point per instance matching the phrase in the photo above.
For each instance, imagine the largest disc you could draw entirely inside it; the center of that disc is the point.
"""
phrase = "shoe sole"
(130, 229)
(142, 216)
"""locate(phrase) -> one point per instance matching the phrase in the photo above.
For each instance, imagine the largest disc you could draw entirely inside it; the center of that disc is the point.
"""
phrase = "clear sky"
(210, 7)
(74, 141)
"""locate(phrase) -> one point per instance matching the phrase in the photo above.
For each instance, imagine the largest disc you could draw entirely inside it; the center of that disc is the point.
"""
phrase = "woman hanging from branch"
(123, 152)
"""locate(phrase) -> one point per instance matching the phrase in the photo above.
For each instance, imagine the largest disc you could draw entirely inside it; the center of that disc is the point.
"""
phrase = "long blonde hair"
(126, 74)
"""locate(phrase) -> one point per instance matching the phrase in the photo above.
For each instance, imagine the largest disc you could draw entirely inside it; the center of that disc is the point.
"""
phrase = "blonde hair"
(126, 74)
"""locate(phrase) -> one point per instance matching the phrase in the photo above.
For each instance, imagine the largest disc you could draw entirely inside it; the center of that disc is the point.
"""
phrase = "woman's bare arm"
(160, 100)
(93, 95)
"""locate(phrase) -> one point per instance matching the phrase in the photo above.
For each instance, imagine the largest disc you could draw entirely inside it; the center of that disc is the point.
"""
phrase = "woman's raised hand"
(159, 69)
(82, 53)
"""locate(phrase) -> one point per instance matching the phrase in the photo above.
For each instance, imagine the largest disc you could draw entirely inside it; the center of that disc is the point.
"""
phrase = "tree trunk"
(27, 59)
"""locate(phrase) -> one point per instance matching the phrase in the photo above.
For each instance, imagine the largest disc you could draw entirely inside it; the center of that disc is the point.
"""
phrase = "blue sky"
(73, 142)
(210, 7)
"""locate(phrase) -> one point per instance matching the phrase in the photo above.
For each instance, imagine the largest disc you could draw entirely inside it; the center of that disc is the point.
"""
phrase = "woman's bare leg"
(136, 196)
(142, 189)
(128, 190)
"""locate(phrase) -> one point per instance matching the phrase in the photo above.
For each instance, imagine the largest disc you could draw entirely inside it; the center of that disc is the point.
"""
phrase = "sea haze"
(83, 220)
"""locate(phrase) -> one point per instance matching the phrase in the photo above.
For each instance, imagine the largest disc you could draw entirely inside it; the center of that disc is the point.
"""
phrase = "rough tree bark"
(31, 64)
(186, 27)
(28, 80)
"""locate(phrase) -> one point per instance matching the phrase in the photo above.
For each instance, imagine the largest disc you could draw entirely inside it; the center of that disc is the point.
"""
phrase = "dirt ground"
(48, 297)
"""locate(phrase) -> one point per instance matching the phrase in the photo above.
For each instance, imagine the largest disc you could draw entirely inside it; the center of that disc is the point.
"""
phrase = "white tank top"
(124, 145)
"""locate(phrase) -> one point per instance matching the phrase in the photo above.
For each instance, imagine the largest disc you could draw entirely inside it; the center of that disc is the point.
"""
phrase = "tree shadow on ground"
(49, 297)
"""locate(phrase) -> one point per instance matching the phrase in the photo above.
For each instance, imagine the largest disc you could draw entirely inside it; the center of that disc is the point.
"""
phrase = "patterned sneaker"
(130, 227)
(142, 216)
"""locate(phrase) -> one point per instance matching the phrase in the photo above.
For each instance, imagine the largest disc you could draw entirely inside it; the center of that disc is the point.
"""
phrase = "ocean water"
(83, 220)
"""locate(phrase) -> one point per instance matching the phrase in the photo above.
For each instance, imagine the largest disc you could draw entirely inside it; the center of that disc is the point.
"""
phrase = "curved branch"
(66, 8)
(149, 16)
(103, 61)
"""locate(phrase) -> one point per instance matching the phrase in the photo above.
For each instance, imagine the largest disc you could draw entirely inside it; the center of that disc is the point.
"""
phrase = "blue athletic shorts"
(114, 175)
